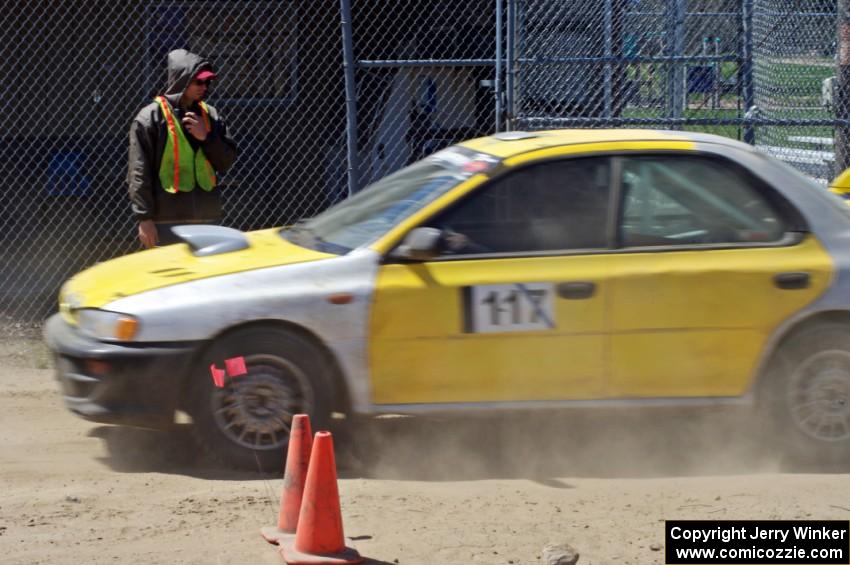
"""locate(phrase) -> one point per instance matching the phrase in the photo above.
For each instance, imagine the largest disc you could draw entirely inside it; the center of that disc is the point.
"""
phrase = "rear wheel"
(246, 423)
(808, 399)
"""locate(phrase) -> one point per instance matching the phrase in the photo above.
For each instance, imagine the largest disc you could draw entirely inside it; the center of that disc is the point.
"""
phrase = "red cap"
(205, 75)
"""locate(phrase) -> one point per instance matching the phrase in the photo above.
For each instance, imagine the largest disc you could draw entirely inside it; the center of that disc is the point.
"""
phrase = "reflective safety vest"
(182, 167)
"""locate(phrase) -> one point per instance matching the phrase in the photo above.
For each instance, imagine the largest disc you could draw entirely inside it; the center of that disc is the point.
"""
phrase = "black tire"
(806, 396)
(246, 423)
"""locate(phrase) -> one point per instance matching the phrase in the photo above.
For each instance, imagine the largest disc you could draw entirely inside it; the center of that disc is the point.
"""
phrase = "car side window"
(551, 206)
(685, 200)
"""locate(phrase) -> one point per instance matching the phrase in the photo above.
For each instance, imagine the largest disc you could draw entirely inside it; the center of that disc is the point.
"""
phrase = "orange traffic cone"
(319, 539)
(297, 459)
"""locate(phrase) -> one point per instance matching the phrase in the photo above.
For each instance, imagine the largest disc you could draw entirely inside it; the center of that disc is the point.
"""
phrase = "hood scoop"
(205, 240)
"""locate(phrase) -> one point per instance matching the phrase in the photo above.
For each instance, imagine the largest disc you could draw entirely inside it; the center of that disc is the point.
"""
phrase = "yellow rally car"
(521, 270)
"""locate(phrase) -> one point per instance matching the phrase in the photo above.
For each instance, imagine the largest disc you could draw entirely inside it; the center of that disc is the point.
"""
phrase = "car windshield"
(363, 218)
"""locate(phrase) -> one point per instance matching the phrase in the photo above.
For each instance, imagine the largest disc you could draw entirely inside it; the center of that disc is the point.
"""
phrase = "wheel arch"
(341, 401)
(772, 360)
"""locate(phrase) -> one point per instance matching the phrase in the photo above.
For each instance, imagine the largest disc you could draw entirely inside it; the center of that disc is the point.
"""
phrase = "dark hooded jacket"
(148, 136)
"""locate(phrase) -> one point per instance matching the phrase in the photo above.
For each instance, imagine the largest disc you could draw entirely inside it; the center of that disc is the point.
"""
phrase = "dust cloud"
(614, 443)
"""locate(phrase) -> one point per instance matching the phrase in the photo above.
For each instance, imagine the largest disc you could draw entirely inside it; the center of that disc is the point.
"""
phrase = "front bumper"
(132, 384)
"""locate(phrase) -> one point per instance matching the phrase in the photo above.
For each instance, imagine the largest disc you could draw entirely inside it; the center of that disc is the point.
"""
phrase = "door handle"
(792, 281)
(576, 290)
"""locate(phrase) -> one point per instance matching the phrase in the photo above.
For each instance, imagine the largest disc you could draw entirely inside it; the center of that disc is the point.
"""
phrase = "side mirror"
(420, 244)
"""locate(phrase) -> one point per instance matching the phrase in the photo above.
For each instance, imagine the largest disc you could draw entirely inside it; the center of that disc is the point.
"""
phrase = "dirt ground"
(493, 490)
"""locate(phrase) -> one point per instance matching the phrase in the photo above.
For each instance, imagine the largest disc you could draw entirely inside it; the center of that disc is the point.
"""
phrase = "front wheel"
(808, 399)
(246, 423)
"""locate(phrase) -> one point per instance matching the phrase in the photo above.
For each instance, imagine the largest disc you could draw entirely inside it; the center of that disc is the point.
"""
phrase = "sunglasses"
(206, 83)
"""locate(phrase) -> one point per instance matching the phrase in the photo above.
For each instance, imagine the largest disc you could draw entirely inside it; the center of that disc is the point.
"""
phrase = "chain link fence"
(794, 52)
(424, 73)
(76, 72)
(656, 63)
(324, 98)
(748, 69)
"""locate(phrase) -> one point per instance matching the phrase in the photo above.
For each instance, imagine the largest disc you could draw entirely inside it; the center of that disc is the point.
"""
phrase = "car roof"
(508, 144)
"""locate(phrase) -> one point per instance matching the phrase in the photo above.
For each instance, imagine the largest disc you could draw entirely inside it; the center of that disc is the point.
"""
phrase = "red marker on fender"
(235, 366)
(217, 376)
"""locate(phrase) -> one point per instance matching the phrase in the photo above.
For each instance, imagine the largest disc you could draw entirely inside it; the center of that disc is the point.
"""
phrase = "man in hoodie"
(178, 146)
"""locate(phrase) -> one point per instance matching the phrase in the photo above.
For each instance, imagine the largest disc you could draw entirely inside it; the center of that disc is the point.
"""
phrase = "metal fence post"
(717, 77)
(608, 86)
(350, 97)
(497, 83)
(676, 48)
(842, 94)
(745, 69)
(511, 66)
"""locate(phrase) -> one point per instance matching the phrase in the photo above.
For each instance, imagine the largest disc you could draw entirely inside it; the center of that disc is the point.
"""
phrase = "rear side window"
(686, 200)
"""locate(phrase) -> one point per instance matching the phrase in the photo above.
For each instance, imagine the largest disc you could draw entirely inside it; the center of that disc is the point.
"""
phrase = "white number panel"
(509, 307)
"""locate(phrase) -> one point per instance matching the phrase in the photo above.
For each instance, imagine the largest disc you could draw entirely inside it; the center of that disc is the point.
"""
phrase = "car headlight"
(69, 304)
(107, 325)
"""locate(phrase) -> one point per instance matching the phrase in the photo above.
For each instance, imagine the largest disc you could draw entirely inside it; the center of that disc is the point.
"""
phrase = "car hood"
(175, 264)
